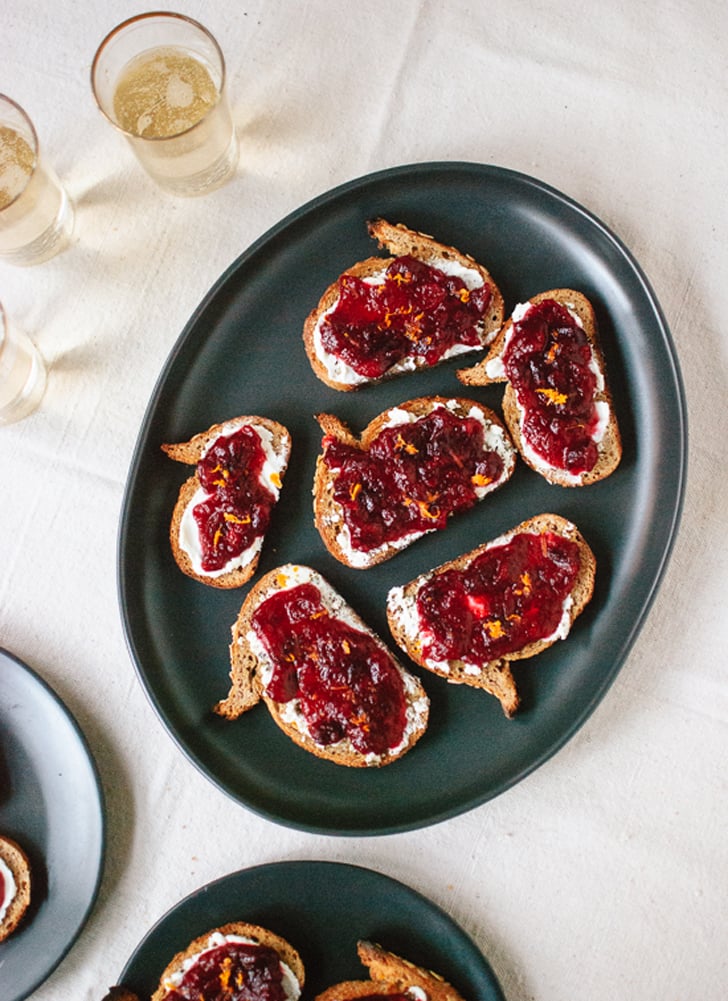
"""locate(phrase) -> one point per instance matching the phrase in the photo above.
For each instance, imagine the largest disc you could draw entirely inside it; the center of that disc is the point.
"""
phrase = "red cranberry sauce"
(235, 971)
(510, 595)
(385, 997)
(347, 685)
(238, 508)
(547, 362)
(412, 478)
(416, 312)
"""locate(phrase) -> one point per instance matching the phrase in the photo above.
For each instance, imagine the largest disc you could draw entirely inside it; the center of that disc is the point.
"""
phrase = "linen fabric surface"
(604, 873)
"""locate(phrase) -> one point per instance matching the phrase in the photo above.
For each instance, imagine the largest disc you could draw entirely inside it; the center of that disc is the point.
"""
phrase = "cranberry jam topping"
(237, 510)
(346, 684)
(235, 971)
(412, 478)
(385, 997)
(547, 360)
(510, 595)
(416, 312)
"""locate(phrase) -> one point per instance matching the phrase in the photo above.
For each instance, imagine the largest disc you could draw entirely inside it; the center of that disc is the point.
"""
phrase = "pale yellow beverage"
(17, 160)
(22, 373)
(163, 93)
(160, 79)
(36, 215)
(30, 198)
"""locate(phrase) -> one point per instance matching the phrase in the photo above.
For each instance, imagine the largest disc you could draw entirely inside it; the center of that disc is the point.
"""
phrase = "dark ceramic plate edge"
(56, 959)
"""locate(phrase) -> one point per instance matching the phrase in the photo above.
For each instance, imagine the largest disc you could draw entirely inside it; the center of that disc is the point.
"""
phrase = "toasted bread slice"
(120, 993)
(494, 676)
(421, 503)
(491, 369)
(16, 886)
(390, 974)
(252, 667)
(292, 967)
(399, 241)
(184, 534)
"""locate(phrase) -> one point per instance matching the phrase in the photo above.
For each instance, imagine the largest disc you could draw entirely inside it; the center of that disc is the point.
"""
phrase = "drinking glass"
(159, 78)
(36, 214)
(22, 373)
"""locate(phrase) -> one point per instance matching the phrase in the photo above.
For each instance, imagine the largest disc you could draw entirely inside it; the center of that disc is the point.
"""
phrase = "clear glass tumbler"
(36, 214)
(159, 78)
(22, 373)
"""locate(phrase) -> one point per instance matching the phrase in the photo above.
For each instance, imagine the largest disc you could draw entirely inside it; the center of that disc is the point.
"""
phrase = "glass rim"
(146, 16)
(36, 151)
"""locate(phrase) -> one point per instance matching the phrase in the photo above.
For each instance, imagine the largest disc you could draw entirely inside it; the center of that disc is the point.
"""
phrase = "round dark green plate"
(242, 353)
(323, 909)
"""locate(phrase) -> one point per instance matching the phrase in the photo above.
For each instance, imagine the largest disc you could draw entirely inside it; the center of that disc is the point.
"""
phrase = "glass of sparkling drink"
(160, 80)
(22, 373)
(36, 214)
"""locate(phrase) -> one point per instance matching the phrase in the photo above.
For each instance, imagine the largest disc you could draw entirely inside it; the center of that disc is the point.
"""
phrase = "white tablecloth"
(604, 874)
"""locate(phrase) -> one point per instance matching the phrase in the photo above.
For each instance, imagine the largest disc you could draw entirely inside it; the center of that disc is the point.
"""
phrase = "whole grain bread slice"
(390, 974)
(18, 863)
(400, 241)
(260, 936)
(249, 663)
(329, 516)
(190, 452)
(493, 676)
(488, 371)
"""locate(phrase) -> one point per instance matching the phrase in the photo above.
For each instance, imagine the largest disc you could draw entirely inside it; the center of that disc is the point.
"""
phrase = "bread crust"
(191, 452)
(328, 513)
(609, 448)
(247, 687)
(18, 863)
(399, 240)
(494, 677)
(390, 974)
(260, 935)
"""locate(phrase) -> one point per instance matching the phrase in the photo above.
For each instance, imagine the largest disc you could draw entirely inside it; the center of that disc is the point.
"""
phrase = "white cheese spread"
(270, 478)
(404, 611)
(338, 370)
(10, 889)
(494, 440)
(290, 712)
(417, 993)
